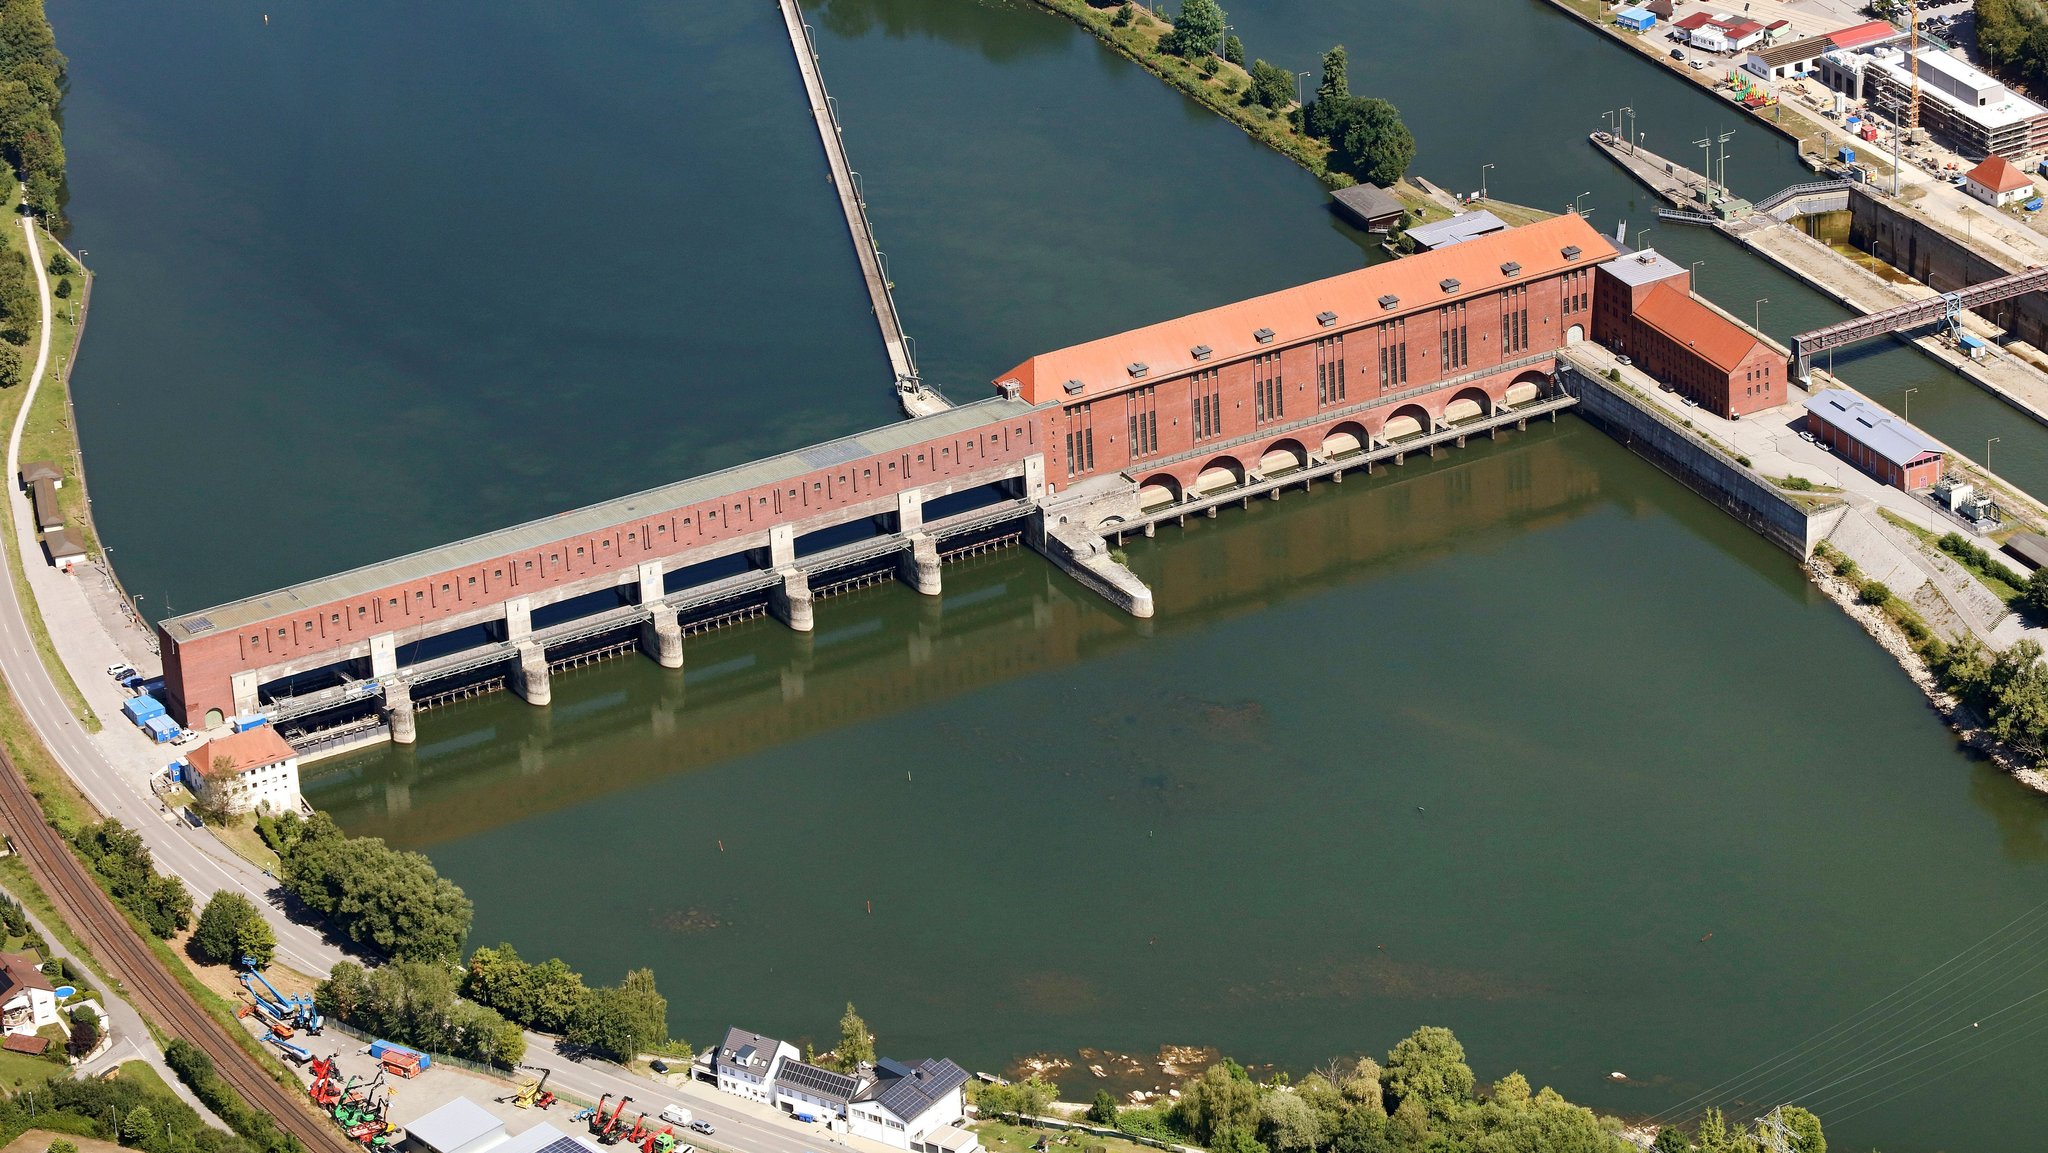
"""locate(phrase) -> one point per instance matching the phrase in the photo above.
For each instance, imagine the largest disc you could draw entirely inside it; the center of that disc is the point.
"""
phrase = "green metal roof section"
(591, 518)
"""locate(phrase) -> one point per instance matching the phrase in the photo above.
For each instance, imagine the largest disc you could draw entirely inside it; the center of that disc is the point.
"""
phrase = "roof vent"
(1137, 368)
(1263, 336)
(1448, 284)
(1511, 269)
(1326, 318)
(1390, 301)
(1201, 352)
(1073, 387)
(1009, 388)
(1571, 252)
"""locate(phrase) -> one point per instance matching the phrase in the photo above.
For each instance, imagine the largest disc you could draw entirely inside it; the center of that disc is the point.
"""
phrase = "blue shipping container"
(1848, 155)
(161, 729)
(140, 709)
(244, 724)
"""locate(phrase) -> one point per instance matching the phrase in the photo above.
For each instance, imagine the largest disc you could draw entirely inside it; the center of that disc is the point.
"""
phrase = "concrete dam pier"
(1076, 448)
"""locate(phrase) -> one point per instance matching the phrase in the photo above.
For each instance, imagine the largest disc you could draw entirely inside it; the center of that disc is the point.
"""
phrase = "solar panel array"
(820, 1082)
(563, 1145)
(909, 1097)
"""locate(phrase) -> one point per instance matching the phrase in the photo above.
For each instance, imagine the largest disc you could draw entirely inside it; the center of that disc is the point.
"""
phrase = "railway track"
(113, 940)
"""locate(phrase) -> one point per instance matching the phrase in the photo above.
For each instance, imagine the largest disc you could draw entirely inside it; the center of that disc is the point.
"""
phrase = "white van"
(677, 1115)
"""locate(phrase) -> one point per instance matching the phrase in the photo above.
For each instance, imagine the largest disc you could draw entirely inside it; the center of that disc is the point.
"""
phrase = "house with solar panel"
(805, 1090)
(745, 1065)
(914, 1107)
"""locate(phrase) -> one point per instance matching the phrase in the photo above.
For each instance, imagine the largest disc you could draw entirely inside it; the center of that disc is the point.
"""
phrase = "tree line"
(137, 1114)
(116, 854)
(1368, 139)
(2012, 37)
(31, 84)
(1423, 1099)
(391, 901)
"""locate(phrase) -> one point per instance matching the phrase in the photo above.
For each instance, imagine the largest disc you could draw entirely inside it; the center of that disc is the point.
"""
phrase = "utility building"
(1874, 440)
(250, 771)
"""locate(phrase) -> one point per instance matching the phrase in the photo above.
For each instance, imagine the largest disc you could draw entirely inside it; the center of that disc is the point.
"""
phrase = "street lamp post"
(1223, 41)
(1693, 274)
(1908, 413)
(1300, 93)
(1987, 453)
(1631, 126)
(1575, 202)
(1482, 180)
(1757, 313)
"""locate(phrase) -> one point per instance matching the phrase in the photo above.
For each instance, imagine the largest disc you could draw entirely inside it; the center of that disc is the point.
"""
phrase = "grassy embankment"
(1223, 93)
(48, 436)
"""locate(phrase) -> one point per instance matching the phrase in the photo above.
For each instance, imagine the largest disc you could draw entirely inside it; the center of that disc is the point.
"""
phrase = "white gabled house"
(907, 1105)
(746, 1063)
(28, 1002)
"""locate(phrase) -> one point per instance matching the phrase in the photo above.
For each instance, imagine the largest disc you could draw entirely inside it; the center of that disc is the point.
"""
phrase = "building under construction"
(1967, 109)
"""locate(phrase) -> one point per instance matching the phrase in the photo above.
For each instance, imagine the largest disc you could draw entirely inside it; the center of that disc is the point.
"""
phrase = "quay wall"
(1702, 468)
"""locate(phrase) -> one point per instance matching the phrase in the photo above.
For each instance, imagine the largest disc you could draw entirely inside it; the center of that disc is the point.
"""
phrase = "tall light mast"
(1913, 62)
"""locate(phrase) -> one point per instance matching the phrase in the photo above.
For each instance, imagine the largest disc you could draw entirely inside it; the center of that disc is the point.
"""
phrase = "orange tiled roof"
(1103, 366)
(1677, 315)
(247, 750)
(1999, 175)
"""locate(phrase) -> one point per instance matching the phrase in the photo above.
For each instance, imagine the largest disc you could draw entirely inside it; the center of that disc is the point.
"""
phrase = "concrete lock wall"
(1941, 262)
(1734, 489)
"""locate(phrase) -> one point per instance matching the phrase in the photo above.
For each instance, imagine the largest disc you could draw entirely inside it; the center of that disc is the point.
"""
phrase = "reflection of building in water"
(1002, 618)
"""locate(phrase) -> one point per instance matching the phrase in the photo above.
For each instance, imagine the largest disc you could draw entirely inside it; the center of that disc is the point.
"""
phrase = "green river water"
(1527, 741)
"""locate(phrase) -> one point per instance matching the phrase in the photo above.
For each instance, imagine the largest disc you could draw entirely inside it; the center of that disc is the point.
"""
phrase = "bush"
(116, 854)
(1874, 592)
(85, 1034)
(1124, 15)
(1103, 1111)
(63, 287)
(1795, 483)
(1743, 461)
(1958, 546)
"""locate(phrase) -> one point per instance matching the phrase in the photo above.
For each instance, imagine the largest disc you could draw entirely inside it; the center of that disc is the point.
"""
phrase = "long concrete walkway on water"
(2004, 375)
(917, 400)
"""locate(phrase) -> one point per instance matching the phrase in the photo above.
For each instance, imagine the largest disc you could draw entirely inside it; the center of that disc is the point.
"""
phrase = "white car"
(1623, 361)
(1808, 437)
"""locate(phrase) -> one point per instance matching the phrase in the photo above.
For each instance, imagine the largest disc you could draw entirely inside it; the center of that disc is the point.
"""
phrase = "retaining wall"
(1940, 261)
(1732, 488)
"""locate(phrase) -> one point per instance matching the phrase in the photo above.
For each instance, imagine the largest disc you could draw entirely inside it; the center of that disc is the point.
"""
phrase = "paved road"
(113, 770)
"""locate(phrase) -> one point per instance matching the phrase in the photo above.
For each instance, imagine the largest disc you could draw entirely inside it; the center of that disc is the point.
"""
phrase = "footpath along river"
(1493, 742)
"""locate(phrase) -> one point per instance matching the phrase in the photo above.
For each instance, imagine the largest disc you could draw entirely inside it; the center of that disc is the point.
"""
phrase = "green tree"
(1103, 1111)
(63, 289)
(553, 994)
(608, 1024)
(1233, 50)
(1428, 1066)
(1333, 93)
(1370, 141)
(1805, 1130)
(1034, 1095)
(2019, 697)
(10, 365)
(138, 1126)
(498, 977)
(60, 264)
(1196, 30)
(230, 928)
(1235, 1139)
(1671, 1139)
(1218, 1100)
(856, 1045)
(1288, 1124)
(85, 1033)
(1272, 86)
(1125, 13)
(2034, 598)
(650, 1008)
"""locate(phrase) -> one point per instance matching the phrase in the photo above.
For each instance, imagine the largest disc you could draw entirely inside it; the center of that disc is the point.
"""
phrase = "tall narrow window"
(1453, 338)
(1393, 354)
(1330, 370)
(1268, 397)
(1206, 405)
(1080, 439)
(1141, 419)
(1514, 319)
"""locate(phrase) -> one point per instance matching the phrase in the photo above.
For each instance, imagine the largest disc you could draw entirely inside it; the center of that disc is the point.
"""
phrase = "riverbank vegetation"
(31, 85)
(618, 1022)
(1348, 139)
(369, 892)
(1424, 1097)
(133, 1107)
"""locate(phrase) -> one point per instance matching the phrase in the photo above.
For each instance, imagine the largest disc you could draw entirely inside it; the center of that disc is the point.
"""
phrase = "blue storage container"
(1848, 155)
(243, 724)
(161, 729)
(379, 1048)
(140, 709)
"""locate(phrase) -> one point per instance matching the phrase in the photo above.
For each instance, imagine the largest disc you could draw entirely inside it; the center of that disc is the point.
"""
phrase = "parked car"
(1698, 64)
(1678, 53)
(120, 672)
(1808, 437)
(1623, 360)
(1691, 403)
(703, 1126)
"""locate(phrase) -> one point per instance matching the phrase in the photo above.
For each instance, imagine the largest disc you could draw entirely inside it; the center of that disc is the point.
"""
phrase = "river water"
(1526, 741)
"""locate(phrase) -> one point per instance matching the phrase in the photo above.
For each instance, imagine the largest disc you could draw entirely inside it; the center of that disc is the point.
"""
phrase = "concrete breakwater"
(1713, 474)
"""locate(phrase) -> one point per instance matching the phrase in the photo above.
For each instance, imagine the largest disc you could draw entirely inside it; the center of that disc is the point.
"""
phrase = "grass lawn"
(19, 1069)
(239, 834)
(1003, 1137)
